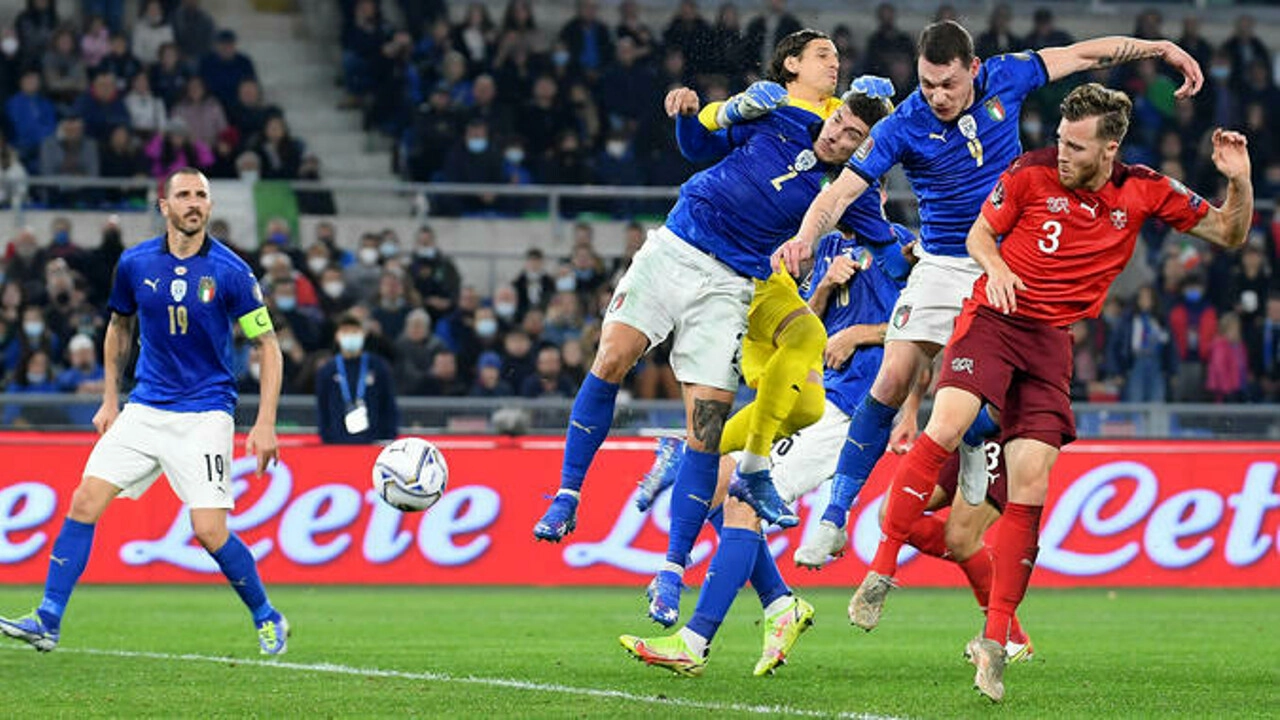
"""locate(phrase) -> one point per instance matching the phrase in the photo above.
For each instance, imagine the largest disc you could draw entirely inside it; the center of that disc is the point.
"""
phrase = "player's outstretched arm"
(820, 218)
(262, 436)
(1002, 283)
(115, 355)
(1228, 225)
(1105, 52)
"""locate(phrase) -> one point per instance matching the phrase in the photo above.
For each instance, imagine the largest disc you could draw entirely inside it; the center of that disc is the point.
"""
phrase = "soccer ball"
(410, 474)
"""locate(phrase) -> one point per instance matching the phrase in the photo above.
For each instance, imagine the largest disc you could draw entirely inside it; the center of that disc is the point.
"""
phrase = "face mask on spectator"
(560, 58)
(351, 342)
(255, 371)
(35, 378)
(505, 310)
(487, 327)
(317, 264)
(428, 253)
(62, 237)
(1032, 127)
(250, 176)
(566, 283)
(515, 156)
(287, 303)
(368, 255)
(9, 46)
(33, 328)
(389, 249)
(616, 148)
(477, 145)
(1220, 72)
(1193, 294)
(334, 288)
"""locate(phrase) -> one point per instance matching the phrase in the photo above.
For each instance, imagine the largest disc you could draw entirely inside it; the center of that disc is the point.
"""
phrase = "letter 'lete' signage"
(1131, 513)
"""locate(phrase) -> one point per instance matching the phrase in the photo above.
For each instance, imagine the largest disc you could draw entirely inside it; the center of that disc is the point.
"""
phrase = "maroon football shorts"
(1021, 367)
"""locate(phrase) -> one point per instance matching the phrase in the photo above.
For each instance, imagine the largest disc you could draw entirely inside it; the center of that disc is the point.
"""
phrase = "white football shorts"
(192, 449)
(808, 458)
(930, 303)
(672, 286)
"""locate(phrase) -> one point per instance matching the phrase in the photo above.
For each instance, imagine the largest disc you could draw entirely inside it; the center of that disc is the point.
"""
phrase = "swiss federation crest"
(178, 289)
(997, 195)
(995, 108)
(968, 127)
(207, 289)
(1119, 218)
(805, 160)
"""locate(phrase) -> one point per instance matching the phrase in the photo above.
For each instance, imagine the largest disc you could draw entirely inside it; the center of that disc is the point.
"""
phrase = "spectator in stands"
(13, 175)
(472, 160)
(34, 375)
(415, 350)
(362, 275)
(112, 11)
(1269, 369)
(225, 67)
(887, 43)
(420, 14)
(305, 320)
(1227, 367)
(25, 261)
(35, 27)
(627, 89)
(151, 32)
(542, 118)
(335, 297)
(548, 379)
(506, 307)
(169, 76)
(515, 66)
(119, 61)
(617, 164)
(83, 376)
(175, 148)
(631, 27)
(435, 128)
(765, 30)
(1193, 41)
(201, 113)
(729, 53)
(534, 286)
(1244, 48)
(518, 18)
(32, 116)
(690, 32)
(1247, 290)
(587, 39)
(281, 153)
(569, 165)
(517, 357)
(69, 151)
(1044, 33)
(355, 392)
(475, 36)
(121, 157)
(36, 334)
(101, 107)
(362, 58)
(573, 358)
(489, 382)
(1144, 354)
(249, 113)
(9, 61)
(585, 116)
(147, 112)
(393, 303)
(998, 38)
(434, 274)
(95, 43)
(65, 76)
(486, 107)
(1193, 322)
(444, 379)
(563, 319)
(193, 30)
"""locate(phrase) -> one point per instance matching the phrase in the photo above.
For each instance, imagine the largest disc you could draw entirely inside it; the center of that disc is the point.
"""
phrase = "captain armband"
(255, 323)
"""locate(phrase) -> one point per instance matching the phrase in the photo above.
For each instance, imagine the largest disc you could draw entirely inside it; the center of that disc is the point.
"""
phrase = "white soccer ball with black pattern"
(410, 474)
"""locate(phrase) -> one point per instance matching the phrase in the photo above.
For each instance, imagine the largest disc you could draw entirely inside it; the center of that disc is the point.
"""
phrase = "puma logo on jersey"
(1093, 209)
(153, 284)
(940, 137)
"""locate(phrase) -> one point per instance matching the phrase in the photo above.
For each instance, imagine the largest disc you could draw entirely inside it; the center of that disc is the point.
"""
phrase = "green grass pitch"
(553, 653)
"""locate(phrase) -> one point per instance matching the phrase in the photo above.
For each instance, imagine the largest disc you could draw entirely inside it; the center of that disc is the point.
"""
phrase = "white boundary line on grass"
(510, 683)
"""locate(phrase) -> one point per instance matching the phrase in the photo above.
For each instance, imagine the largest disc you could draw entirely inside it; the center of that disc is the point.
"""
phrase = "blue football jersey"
(867, 299)
(753, 200)
(186, 310)
(953, 166)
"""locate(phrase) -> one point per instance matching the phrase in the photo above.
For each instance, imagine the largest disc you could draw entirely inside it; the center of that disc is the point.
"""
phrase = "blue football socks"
(982, 429)
(868, 436)
(691, 497)
(730, 568)
(589, 423)
(66, 562)
(238, 566)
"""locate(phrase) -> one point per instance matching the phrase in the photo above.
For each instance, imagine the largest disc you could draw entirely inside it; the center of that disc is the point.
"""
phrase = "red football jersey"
(1068, 245)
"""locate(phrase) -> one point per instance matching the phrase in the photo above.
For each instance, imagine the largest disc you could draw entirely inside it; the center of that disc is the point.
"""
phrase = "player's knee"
(809, 406)
(893, 384)
(210, 533)
(962, 540)
(89, 501)
(740, 515)
(610, 366)
(804, 334)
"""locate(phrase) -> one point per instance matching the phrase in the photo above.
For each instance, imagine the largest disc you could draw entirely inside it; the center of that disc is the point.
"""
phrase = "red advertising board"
(1119, 514)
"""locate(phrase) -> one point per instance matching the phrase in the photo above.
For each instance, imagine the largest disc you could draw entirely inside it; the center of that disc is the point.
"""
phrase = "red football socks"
(906, 499)
(1015, 556)
(928, 535)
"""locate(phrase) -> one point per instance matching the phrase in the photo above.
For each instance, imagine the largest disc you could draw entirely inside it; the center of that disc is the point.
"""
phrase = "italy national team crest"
(968, 127)
(902, 316)
(865, 148)
(206, 290)
(618, 300)
(1119, 218)
(805, 160)
(178, 289)
(995, 109)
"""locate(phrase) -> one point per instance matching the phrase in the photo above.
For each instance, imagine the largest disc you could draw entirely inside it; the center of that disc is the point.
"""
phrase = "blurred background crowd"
(485, 93)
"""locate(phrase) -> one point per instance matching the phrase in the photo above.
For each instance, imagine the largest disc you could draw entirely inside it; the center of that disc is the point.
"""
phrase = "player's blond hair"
(1111, 107)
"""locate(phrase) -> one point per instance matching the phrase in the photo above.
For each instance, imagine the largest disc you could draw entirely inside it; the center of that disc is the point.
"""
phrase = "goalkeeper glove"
(873, 86)
(759, 99)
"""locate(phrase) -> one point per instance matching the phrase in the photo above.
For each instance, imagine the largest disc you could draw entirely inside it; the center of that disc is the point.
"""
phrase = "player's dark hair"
(180, 171)
(870, 110)
(792, 45)
(944, 41)
(1111, 107)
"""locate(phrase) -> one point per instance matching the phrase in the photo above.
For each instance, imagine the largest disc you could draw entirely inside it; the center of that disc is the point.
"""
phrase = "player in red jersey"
(1069, 218)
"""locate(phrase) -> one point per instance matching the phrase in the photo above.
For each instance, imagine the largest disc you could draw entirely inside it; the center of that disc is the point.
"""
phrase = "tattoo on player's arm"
(708, 422)
(1126, 53)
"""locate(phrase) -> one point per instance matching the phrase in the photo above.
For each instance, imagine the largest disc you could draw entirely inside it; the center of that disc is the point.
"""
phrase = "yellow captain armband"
(256, 323)
(707, 116)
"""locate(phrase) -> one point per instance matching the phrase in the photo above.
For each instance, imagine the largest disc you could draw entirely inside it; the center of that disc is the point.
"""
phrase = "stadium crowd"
(511, 102)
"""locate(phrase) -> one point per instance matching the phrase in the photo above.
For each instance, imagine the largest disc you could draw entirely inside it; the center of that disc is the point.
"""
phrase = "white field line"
(510, 683)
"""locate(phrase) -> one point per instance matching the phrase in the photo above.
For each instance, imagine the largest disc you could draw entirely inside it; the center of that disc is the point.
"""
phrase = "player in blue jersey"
(854, 296)
(185, 292)
(953, 136)
(695, 277)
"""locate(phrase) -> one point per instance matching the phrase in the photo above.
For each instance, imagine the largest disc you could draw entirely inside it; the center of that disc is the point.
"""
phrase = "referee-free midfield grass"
(504, 652)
